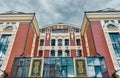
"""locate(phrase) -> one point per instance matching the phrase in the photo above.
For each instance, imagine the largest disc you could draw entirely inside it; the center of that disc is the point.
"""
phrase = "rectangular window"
(4, 42)
(67, 53)
(66, 42)
(40, 53)
(79, 53)
(58, 67)
(59, 31)
(115, 39)
(41, 42)
(77, 30)
(78, 42)
(53, 42)
(21, 67)
(43, 31)
(59, 52)
(97, 67)
(59, 42)
(52, 53)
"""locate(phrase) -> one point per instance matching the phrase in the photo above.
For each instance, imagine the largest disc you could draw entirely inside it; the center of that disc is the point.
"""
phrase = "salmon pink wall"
(90, 41)
(36, 47)
(84, 46)
(73, 53)
(29, 42)
(46, 53)
(18, 46)
(101, 45)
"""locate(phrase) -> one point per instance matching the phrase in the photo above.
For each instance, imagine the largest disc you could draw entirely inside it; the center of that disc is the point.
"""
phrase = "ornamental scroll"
(36, 68)
(80, 68)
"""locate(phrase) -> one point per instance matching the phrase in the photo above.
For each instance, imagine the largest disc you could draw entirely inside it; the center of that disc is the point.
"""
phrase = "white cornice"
(21, 17)
(103, 15)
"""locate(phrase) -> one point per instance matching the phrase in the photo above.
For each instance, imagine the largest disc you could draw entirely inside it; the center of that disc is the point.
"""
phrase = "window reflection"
(59, 42)
(60, 67)
(4, 41)
(21, 67)
(96, 67)
(115, 39)
(66, 42)
(59, 52)
(53, 42)
(67, 53)
(52, 52)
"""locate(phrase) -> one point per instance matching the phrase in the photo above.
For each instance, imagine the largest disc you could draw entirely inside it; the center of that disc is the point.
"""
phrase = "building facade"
(60, 50)
(18, 32)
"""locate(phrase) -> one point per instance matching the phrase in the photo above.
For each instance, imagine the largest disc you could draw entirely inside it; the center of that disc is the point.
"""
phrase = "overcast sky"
(58, 11)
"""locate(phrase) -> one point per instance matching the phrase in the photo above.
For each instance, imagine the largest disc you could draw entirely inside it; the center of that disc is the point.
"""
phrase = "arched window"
(110, 26)
(8, 28)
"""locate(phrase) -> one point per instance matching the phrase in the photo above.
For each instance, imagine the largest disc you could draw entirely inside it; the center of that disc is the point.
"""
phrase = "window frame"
(68, 42)
(60, 42)
(61, 53)
(16, 66)
(43, 41)
(78, 42)
(51, 54)
(54, 42)
(66, 53)
(80, 53)
(5, 39)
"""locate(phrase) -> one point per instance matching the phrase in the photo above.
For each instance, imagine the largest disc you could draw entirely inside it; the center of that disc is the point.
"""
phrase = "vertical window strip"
(4, 41)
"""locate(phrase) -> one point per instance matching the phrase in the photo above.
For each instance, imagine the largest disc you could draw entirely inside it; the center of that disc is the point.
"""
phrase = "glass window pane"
(52, 52)
(53, 42)
(4, 42)
(61, 67)
(41, 42)
(25, 71)
(79, 54)
(98, 71)
(59, 42)
(64, 71)
(64, 61)
(70, 71)
(69, 61)
(78, 42)
(46, 70)
(91, 71)
(19, 73)
(115, 38)
(67, 53)
(59, 52)
(103, 66)
(21, 62)
(90, 61)
(96, 61)
(52, 61)
(66, 42)
(27, 61)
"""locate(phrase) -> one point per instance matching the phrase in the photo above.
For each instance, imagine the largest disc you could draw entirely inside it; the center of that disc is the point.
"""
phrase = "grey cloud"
(55, 11)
